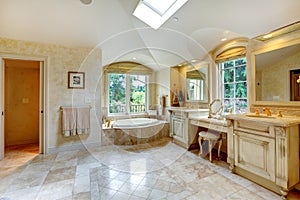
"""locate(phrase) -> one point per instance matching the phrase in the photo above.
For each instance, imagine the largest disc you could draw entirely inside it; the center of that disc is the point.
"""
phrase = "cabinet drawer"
(254, 127)
(208, 125)
(178, 114)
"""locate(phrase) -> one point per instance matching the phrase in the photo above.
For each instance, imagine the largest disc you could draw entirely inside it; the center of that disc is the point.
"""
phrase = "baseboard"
(257, 179)
(73, 147)
(20, 142)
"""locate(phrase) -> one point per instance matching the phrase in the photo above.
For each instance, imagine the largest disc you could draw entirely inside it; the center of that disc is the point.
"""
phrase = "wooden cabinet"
(255, 154)
(177, 128)
(266, 151)
(181, 131)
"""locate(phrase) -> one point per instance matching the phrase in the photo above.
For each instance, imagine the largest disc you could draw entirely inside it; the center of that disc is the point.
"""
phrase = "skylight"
(156, 12)
(159, 6)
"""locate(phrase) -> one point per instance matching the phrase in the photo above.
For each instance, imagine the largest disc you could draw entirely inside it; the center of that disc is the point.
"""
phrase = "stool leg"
(200, 144)
(219, 149)
(210, 149)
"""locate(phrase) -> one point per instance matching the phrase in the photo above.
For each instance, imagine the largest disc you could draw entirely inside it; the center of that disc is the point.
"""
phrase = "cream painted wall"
(163, 84)
(21, 102)
(60, 60)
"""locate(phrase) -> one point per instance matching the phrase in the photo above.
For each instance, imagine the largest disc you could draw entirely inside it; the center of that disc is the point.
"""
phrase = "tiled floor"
(160, 170)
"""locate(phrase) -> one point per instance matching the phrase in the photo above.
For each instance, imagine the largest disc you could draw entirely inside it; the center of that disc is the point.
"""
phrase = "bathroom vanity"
(265, 150)
(181, 130)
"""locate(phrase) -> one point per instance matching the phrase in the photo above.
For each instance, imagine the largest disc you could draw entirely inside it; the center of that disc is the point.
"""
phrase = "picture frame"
(76, 80)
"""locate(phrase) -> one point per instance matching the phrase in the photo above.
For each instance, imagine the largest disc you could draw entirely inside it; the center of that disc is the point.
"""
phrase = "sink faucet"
(267, 111)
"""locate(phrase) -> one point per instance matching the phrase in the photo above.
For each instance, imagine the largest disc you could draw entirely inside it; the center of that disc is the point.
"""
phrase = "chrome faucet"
(267, 111)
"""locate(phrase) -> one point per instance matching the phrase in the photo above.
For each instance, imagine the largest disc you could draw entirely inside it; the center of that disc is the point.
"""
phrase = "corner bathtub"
(135, 131)
(135, 123)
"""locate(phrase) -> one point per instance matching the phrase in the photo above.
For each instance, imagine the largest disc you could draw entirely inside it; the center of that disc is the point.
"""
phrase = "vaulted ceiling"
(110, 25)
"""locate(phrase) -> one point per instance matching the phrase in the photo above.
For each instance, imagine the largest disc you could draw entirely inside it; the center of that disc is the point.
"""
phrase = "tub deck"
(135, 135)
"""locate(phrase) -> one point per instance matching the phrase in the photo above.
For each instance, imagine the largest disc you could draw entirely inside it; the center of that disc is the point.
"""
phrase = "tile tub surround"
(133, 136)
(157, 170)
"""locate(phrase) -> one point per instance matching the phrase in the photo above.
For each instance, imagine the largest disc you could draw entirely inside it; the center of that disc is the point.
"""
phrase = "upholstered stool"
(210, 136)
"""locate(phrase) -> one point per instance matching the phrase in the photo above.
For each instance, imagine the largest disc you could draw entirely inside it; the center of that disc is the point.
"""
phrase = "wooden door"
(295, 87)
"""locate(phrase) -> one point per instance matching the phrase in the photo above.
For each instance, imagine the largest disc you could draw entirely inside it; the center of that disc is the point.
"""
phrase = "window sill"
(124, 115)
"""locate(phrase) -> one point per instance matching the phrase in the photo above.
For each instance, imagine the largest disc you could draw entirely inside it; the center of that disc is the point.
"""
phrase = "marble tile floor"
(158, 170)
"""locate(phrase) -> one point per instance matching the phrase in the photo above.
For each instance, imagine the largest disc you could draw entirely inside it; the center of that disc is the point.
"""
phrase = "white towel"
(83, 120)
(68, 121)
(75, 121)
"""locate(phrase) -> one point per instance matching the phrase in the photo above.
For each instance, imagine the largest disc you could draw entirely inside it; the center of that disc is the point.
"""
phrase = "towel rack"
(61, 107)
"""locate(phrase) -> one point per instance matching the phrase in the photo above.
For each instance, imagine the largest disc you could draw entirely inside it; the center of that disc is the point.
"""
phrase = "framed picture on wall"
(76, 80)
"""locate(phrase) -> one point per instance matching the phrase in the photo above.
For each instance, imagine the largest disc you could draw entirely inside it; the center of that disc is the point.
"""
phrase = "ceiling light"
(86, 2)
(155, 13)
(134, 58)
(268, 36)
(194, 60)
(223, 39)
(175, 19)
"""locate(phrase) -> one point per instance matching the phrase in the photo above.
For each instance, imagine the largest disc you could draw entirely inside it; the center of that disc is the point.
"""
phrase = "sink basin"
(260, 116)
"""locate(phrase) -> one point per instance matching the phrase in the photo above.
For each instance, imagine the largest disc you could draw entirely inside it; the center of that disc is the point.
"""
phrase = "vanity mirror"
(215, 109)
(196, 84)
(276, 74)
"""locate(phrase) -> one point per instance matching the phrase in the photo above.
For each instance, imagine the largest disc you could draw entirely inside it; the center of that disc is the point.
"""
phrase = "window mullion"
(234, 88)
(127, 99)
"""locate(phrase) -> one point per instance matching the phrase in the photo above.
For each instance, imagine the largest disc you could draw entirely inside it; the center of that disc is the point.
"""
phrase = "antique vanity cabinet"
(266, 150)
(180, 129)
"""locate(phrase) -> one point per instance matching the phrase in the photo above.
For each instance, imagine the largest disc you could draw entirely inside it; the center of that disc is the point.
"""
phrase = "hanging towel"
(83, 120)
(68, 121)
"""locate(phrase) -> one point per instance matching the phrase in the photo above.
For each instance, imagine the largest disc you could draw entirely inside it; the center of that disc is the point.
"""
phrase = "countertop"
(284, 121)
(188, 110)
(222, 122)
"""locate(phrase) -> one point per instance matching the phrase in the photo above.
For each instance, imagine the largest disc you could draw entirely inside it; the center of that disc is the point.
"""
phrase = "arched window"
(232, 66)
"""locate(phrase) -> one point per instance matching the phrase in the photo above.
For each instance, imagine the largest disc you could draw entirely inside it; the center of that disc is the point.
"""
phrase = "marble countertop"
(284, 121)
(222, 122)
(186, 109)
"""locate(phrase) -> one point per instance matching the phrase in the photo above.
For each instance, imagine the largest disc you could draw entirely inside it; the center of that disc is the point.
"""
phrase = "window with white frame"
(234, 84)
(127, 93)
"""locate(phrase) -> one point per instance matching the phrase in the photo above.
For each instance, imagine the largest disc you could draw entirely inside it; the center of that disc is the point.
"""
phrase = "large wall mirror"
(276, 74)
(196, 84)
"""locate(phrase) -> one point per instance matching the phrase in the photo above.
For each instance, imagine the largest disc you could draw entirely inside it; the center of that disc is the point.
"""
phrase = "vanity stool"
(212, 137)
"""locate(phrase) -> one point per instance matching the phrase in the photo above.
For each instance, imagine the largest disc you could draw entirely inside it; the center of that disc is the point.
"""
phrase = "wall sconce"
(298, 80)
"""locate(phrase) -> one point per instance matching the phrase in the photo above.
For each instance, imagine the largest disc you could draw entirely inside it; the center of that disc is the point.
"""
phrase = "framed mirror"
(276, 74)
(196, 84)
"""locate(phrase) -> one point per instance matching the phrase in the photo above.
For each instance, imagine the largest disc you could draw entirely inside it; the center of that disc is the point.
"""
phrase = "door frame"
(43, 106)
(288, 88)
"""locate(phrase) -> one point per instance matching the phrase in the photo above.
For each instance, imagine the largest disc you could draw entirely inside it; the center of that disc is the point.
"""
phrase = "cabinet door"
(178, 127)
(255, 154)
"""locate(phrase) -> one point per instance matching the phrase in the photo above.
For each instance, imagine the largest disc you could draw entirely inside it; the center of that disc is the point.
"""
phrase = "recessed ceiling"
(111, 25)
